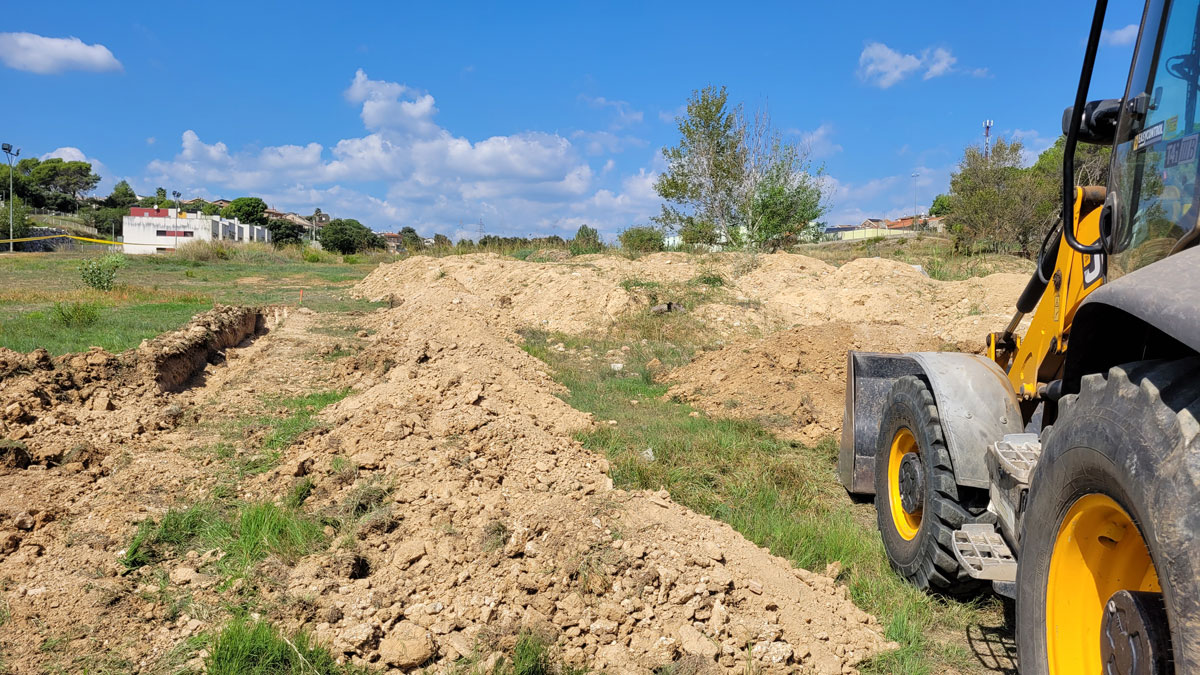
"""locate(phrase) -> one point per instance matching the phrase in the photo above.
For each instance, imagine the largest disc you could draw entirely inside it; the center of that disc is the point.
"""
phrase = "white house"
(160, 230)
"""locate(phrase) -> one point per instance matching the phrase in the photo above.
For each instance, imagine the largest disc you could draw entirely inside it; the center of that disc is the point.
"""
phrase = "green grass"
(280, 429)
(247, 533)
(245, 647)
(113, 328)
(781, 495)
(302, 417)
(158, 293)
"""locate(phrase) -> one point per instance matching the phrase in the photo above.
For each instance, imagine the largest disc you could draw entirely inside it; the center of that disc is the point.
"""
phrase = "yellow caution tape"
(71, 236)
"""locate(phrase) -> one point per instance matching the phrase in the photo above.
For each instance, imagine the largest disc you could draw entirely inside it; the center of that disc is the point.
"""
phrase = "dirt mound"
(792, 381)
(763, 292)
(500, 523)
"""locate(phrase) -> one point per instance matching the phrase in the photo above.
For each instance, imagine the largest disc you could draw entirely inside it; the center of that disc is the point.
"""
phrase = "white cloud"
(882, 66)
(937, 62)
(626, 115)
(1033, 143)
(669, 116)
(72, 154)
(389, 105)
(887, 196)
(150, 140)
(48, 55)
(1119, 37)
(606, 142)
(820, 141)
(432, 178)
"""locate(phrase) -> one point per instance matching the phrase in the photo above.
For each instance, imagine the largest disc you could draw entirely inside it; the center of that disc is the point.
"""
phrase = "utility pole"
(8, 150)
(987, 138)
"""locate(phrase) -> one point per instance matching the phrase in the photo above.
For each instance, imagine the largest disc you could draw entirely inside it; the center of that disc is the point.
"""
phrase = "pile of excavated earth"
(461, 512)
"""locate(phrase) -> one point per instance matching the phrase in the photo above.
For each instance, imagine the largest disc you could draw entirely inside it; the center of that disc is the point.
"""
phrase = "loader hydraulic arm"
(1053, 295)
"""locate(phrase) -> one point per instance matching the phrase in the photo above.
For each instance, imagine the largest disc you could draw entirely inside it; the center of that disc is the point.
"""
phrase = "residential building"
(394, 242)
(160, 230)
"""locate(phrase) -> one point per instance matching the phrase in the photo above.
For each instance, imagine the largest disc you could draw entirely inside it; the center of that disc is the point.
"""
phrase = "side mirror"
(1099, 121)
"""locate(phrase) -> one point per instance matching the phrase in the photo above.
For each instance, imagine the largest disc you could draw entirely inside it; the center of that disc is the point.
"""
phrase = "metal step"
(981, 551)
(1018, 454)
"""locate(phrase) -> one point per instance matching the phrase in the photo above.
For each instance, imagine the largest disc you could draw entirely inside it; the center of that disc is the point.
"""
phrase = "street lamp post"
(176, 194)
(8, 150)
(914, 177)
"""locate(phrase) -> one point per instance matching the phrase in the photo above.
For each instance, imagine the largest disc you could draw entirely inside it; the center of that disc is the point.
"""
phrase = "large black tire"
(1129, 435)
(927, 559)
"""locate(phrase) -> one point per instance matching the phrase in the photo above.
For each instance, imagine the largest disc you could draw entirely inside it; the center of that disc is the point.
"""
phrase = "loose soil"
(761, 294)
(792, 381)
(460, 511)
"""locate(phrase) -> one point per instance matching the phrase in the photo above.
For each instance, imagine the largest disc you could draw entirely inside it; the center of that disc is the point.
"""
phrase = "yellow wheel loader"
(1063, 468)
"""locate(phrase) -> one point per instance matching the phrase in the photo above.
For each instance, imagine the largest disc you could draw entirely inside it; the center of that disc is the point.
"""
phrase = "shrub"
(101, 273)
(352, 260)
(311, 255)
(587, 240)
(642, 240)
(76, 314)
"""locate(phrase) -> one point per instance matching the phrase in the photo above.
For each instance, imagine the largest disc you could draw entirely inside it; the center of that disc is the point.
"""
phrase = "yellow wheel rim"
(1098, 551)
(907, 524)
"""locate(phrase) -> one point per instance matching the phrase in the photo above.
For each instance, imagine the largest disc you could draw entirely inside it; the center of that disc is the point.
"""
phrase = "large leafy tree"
(994, 202)
(704, 168)
(780, 196)
(734, 179)
(53, 183)
(247, 210)
(347, 235)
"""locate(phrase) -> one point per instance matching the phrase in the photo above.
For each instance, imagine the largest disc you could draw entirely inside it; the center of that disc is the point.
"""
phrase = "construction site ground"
(469, 464)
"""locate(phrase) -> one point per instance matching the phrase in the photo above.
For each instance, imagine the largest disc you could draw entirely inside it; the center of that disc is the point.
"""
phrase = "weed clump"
(495, 536)
(76, 314)
(257, 648)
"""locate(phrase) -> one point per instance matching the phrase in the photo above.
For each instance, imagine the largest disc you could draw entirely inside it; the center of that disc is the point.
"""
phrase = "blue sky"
(535, 117)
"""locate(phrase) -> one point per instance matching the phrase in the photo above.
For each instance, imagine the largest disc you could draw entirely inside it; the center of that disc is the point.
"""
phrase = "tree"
(441, 241)
(642, 239)
(108, 221)
(994, 201)
(779, 196)
(160, 194)
(246, 210)
(20, 226)
(121, 197)
(587, 240)
(703, 170)
(410, 240)
(285, 232)
(735, 180)
(941, 206)
(347, 236)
